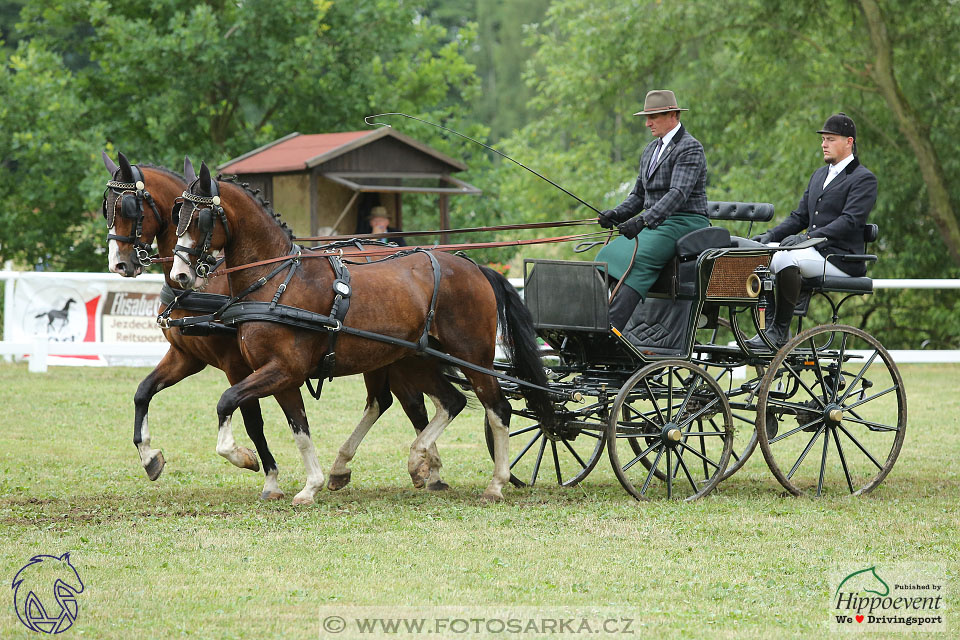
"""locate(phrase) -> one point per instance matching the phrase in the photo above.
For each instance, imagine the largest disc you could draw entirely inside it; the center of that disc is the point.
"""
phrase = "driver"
(835, 206)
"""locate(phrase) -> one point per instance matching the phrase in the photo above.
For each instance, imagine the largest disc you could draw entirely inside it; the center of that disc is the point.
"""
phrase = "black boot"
(788, 294)
(622, 306)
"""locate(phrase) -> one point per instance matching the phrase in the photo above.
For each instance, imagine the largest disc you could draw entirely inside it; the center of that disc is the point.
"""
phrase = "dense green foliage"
(550, 82)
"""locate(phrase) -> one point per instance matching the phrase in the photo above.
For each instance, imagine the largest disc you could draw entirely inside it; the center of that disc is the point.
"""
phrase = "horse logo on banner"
(36, 580)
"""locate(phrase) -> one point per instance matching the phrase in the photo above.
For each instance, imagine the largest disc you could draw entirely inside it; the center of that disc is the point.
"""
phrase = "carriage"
(679, 400)
(672, 404)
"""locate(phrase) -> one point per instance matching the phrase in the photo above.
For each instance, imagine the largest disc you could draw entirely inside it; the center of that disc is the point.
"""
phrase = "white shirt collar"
(840, 166)
(667, 138)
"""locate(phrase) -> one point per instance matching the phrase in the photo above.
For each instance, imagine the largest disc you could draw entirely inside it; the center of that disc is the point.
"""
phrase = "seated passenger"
(835, 206)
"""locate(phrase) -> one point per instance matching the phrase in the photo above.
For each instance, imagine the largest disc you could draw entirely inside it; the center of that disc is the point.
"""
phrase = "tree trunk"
(913, 128)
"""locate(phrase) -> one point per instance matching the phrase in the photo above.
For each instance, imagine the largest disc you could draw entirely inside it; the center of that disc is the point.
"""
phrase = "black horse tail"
(520, 340)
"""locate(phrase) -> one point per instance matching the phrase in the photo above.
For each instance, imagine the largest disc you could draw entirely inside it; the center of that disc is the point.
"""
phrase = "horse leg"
(271, 380)
(378, 401)
(172, 368)
(253, 423)
(424, 462)
(498, 413)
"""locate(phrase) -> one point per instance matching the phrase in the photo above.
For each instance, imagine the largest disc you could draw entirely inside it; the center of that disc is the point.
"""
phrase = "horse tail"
(520, 340)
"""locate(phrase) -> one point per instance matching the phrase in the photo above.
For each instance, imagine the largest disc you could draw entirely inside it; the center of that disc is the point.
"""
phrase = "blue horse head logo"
(45, 593)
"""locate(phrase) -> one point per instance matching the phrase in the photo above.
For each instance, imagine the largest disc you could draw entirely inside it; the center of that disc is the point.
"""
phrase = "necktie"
(656, 154)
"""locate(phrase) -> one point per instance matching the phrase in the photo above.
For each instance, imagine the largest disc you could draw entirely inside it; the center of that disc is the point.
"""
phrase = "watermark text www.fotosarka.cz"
(474, 621)
(889, 597)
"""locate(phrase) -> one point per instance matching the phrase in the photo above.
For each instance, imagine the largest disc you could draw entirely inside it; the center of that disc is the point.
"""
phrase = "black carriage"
(664, 398)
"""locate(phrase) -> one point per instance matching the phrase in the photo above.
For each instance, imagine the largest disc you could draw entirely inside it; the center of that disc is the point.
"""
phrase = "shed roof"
(300, 152)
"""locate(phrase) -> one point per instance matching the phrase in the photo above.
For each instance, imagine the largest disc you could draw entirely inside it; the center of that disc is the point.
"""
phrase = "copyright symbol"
(334, 624)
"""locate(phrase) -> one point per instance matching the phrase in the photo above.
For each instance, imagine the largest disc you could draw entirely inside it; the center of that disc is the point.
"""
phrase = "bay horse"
(190, 354)
(422, 297)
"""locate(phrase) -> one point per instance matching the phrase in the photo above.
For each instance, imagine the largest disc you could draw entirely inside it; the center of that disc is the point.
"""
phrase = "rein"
(387, 251)
(407, 234)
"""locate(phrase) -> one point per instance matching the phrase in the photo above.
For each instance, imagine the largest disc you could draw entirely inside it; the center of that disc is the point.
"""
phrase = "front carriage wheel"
(841, 408)
(565, 454)
(674, 419)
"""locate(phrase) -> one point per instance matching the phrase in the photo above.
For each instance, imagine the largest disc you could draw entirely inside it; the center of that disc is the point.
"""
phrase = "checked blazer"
(678, 182)
(837, 213)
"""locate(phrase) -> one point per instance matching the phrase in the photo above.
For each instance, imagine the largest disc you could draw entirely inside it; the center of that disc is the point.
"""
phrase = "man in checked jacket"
(668, 201)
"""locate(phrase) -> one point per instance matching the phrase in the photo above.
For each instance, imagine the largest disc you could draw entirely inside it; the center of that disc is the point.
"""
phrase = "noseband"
(205, 207)
(129, 198)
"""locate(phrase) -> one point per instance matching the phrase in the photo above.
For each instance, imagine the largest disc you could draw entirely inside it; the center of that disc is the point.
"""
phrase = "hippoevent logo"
(895, 599)
(45, 593)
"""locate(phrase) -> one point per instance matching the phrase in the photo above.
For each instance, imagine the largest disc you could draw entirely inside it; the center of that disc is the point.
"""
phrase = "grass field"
(196, 554)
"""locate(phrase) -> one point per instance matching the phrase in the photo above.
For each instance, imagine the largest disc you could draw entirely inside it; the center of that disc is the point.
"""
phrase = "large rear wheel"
(842, 412)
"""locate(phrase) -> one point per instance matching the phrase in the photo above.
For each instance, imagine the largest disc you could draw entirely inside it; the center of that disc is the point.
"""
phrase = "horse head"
(199, 235)
(131, 190)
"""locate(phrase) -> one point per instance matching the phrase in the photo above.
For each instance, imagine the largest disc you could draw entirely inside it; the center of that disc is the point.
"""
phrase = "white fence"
(43, 328)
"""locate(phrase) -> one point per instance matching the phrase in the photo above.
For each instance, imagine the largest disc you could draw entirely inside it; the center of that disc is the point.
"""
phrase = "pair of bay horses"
(191, 217)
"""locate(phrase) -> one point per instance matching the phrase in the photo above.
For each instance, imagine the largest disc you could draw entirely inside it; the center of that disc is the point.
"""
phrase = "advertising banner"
(69, 308)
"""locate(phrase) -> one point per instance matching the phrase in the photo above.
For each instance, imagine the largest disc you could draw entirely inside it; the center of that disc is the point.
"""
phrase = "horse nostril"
(121, 267)
(182, 278)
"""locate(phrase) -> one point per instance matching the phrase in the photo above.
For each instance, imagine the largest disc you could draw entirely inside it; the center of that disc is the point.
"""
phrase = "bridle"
(205, 207)
(130, 197)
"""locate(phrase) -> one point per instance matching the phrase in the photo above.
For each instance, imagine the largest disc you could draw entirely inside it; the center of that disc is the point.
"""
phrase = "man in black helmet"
(835, 206)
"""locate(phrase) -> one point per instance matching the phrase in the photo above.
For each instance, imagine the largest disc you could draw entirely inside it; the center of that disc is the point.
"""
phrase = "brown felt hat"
(659, 101)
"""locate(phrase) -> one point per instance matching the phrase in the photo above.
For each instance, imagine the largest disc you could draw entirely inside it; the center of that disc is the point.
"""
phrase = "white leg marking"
(146, 453)
(501, 456)
(419, 464)
(312, 466)
(227, 447)
(271, 488)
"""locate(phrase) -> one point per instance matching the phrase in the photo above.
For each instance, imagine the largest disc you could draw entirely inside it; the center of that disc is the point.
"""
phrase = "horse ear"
(108, 163)
(125, 169)
(205, 176)
(188, 171)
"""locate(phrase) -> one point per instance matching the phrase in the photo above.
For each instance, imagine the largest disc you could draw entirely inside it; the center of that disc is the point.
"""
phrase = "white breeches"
(811, 263)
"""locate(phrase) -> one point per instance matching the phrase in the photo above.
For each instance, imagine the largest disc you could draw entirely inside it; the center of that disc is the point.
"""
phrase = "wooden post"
(314, 216)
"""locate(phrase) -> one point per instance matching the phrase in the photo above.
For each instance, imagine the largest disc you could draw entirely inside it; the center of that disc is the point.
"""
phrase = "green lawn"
(196, 554)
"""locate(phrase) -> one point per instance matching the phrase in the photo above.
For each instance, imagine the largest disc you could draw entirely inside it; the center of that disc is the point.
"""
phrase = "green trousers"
(655, 248)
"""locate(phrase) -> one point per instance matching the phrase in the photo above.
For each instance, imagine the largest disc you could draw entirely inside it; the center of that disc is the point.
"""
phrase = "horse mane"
(254, 195)
(169, 172)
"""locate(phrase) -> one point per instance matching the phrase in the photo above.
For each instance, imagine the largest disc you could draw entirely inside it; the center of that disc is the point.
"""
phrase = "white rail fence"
(113, 324)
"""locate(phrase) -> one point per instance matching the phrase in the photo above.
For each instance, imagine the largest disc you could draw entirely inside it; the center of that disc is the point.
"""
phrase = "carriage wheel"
(674, 415)
(842, 412)
(566, 454)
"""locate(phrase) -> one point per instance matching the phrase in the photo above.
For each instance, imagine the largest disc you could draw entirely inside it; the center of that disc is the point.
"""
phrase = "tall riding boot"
(788, 294)
(622, 306)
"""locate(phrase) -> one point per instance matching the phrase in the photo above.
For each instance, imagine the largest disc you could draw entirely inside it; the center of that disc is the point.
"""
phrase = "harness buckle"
(143, 256)
(202, 269)
(163, 322)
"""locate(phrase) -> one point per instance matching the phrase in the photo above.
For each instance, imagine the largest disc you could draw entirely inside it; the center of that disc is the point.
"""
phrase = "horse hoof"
(248, 459)
(271, 495)
(418, 482)
(339, 481)
(302, 500)
(155, 467)
(492, 497)
(439, 485)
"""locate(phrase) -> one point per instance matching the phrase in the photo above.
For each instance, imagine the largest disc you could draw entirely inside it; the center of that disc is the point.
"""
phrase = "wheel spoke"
(699, 413)
(843, 460)
(793, 431)
(524, 430)
(686, 398)
(653, 399)
(669, 476)
(873, 397)
(653, 468)
(703, 450)
(863, 370)
(525, 449)
(804, 384)
(818, 370)
(669, 399)
(699, 455)
(823, 463)
(686, 472)
(875, 426)
(803, 455)
(583, 465)
(536, 466)
(860, 446)
(836, 382)
(645, 453)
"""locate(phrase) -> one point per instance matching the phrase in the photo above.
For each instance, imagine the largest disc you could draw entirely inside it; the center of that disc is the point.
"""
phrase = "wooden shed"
(327, 183)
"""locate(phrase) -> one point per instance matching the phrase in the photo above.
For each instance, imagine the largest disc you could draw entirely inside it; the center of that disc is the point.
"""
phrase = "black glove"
(762, 238)
(632, 227)
(607, 219)
(790, 241)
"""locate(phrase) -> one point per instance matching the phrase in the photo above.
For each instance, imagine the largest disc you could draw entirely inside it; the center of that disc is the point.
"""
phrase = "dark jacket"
(678, 182)
(837, 213)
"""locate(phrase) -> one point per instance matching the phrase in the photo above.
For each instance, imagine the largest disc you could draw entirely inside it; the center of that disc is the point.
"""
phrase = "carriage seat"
(842, 284)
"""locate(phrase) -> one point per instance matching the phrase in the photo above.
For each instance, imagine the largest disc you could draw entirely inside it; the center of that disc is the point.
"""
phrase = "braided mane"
(264, 204)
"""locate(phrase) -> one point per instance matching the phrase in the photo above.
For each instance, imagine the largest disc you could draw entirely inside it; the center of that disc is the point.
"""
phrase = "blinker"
(205, 220)
(175, 212)
(129, 206)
